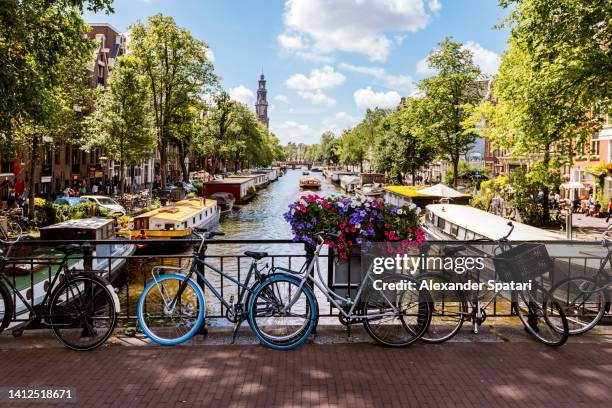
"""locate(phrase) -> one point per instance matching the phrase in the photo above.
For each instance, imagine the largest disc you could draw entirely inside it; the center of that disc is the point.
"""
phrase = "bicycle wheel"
(281, 314)
(542, 316)
(395, 315)
(82, 312)
(166, 324)
(447, 311)
(583, 306)
(6, 307)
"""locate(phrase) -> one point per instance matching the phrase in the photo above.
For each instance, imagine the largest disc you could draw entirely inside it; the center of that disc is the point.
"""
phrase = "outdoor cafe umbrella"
(441, 190)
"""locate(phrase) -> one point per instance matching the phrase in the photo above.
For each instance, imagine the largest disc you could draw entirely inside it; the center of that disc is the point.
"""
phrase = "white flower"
(417, 210)
(412, 206)
(358, 226)
(400, 211)
(367, 205)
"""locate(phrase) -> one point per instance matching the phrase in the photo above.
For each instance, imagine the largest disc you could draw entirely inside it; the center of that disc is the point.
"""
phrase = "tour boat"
(310, 183)
(225, 201)
(305, 173)
(173, 222)
(32, 273)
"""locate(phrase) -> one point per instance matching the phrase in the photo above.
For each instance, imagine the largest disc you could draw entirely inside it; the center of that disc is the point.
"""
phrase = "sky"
(325, 61)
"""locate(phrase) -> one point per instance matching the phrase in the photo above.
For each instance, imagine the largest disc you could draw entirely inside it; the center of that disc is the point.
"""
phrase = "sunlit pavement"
(465, 372)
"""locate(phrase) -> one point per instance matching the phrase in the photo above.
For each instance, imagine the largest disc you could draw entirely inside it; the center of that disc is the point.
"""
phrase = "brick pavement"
(342, 375)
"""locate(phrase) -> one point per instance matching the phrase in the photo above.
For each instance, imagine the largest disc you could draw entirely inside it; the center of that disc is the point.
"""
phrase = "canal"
(261, 218)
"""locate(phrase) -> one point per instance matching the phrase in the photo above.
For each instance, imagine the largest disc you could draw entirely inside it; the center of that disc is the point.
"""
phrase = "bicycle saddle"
(68, 249)
(256, 255)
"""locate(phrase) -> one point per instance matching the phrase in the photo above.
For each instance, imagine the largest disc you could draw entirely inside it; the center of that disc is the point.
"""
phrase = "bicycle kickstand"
(236, 328)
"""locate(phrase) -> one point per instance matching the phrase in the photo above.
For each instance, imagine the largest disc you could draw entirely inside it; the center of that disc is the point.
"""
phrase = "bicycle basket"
(523, 263)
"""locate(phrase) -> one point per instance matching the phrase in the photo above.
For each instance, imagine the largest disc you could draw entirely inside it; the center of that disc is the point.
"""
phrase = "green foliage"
(82, 210)
(468, 171)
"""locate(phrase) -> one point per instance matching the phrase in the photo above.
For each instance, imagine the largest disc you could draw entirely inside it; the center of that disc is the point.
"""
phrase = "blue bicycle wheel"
(281, 314)
(167, 319)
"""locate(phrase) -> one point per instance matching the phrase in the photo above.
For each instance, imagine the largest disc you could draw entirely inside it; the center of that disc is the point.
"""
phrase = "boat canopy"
(441, 190)
(486, 224)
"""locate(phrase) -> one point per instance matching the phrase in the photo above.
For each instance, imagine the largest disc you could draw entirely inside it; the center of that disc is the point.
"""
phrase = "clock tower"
(261, 107)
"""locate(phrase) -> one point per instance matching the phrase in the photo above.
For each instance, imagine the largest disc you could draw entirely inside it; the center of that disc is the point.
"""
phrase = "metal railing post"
(310, 252)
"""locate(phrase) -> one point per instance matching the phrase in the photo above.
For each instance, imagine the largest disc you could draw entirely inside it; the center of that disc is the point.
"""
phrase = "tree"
(175, 66)
(449, 97)
(36, 38)
(570, 41)
(330, 145)
(403, 146)
(120, 122)
(215, 130)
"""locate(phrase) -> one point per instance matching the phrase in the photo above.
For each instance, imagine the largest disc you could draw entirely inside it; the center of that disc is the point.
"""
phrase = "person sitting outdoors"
(594, 210)
(576, 205)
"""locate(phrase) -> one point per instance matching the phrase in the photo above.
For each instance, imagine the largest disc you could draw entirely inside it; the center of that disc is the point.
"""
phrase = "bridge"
(292, 164)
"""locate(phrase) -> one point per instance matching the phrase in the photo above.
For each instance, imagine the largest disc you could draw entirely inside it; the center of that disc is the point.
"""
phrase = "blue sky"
(326, 61)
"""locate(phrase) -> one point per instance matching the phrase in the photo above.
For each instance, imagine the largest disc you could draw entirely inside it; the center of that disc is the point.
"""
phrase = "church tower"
(261, 107)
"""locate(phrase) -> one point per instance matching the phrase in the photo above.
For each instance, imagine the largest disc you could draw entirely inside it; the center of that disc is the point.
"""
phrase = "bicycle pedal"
(18, 332)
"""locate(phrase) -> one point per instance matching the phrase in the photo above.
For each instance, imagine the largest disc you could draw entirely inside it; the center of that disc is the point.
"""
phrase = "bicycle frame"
(307, 274)
(197, 261)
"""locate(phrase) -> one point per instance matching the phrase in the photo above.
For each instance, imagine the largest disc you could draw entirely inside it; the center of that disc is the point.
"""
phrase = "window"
(441, 223)
(595, 147)
(100, 71)
(454, 230)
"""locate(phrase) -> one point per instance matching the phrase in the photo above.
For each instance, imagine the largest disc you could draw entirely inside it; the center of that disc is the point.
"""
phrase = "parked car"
(106, 202)
(71, 201)
(181, 184)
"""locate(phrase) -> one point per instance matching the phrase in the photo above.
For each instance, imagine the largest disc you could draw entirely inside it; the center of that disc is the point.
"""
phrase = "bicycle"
(586, 299)
(79, 306)
(392, 317)
(541, 315)
(172, 306)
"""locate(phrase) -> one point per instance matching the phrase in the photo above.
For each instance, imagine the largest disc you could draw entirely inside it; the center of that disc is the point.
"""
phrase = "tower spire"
(261, 107)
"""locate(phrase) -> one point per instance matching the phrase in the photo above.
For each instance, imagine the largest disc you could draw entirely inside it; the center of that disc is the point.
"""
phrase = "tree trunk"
(163, 159)
(182, 155)
(33, 163)
(545, 190)
(455, 171)
(413, 175)
(121, 176)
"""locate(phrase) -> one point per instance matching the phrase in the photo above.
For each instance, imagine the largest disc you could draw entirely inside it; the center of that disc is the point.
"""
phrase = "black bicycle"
(542, 316)
(79, 306)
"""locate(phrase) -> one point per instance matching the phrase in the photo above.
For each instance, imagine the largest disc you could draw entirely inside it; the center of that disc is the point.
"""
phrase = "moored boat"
(349, 183)
(305, 173)
(371, 190)
(310, 183)
(225, 201)
(173, 222)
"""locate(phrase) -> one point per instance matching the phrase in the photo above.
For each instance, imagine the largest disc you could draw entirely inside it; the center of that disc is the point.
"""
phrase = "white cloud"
(367, 98)
(317, 97)
(291, 42)
(357, 26)
(281, 98)
(434, 5)
(242, 94)
(210, 55)
(380, 74)
(322, 78)
(344, 117)
(488, 61)
(291, 131)
(422, 67)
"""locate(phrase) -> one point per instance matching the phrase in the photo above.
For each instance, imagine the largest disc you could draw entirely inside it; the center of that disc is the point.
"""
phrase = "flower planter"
(345, 276)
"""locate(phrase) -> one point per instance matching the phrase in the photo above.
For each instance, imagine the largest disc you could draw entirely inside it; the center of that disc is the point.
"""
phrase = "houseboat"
(261, 180)
(349, 183)
(372, 178)
(310, 183)
(316, 169)
(335, 176)
(272, 173)
(242, 188)
(32, 273)
(173, 222)
(225, 201)
(422, 195)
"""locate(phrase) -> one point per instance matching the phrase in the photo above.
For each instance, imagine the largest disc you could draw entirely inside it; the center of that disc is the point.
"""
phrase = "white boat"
(349, 183)
(371, 190)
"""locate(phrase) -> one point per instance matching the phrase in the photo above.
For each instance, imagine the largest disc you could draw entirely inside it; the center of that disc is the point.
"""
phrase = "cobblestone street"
(343, 375)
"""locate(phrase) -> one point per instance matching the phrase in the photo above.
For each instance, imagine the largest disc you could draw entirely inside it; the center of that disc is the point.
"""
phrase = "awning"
(441, 190)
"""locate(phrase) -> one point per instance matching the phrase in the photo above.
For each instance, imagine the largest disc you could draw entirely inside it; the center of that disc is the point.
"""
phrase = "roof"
(406, 191)
(179, 211)
(84, 223)
(231, 180)
(489, 225)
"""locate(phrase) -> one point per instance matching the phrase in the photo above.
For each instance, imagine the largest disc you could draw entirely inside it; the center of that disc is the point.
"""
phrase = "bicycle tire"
(447, 312)
(6, 303)
(542, 316)
(261, 301)
(384, 299)
(158, 334)
(574, 294)
(85, 320)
